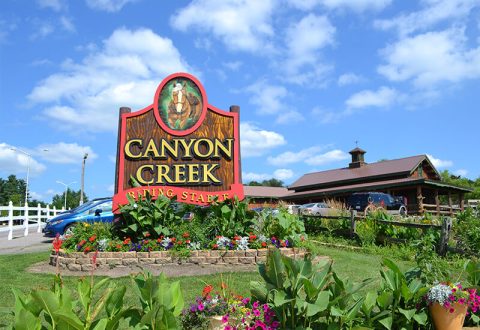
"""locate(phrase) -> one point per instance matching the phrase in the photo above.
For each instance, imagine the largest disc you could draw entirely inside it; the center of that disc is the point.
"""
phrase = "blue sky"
(311, 77)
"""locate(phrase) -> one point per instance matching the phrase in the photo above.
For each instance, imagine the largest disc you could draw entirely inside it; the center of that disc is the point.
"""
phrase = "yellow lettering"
(140, 171)
(179, 170)
(193, 176)
(173, 151)
(131, 193)
(151, 148)
(201, 199)
(128, 150)
(184, 195)
(194, 195)
(187, 147)
(162, 174)
(208, 145)
(226, 150)
(207, 175)
(170, 193)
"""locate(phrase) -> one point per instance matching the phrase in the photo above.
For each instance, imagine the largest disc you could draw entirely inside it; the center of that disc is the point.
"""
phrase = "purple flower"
(255, 304)
(201, 307)
(256, 312)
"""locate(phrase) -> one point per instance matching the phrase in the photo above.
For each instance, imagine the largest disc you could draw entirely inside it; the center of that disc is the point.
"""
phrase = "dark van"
(393, 205)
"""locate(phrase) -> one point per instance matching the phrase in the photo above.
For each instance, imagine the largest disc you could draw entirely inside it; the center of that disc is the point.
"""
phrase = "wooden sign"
(179, 146)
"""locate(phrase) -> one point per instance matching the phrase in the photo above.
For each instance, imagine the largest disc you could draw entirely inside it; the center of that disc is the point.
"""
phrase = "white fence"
(23, 217)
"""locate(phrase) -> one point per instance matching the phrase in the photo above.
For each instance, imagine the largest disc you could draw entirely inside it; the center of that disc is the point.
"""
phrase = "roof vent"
(357, 158)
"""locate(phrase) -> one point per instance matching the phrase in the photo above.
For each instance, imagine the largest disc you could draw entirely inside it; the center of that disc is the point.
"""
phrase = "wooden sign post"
(179, 146)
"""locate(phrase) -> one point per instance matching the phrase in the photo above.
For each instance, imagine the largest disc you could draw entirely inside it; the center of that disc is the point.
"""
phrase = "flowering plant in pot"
(449, 303)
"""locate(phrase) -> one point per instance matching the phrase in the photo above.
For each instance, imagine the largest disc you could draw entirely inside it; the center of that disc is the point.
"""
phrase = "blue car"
(97, 210)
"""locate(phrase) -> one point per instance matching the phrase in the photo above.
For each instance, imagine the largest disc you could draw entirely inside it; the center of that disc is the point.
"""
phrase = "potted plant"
(448, 304)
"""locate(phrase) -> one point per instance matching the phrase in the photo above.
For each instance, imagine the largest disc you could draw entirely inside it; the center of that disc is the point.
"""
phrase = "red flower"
(215, 246)
(223, 285)
(82, 242)
(185, 235)
(146, 241)
(236, 237)
(179, 243)
(173, 239)
(87, 249)
(161, 236)
(206, 290)
(57, 243)
(92, 238)
(187, 241)
(159, 240)
(126, 241)
(94, 258)
(264, 244)
(253, 237)
(147, 234)
(119, 246)
(283, 244)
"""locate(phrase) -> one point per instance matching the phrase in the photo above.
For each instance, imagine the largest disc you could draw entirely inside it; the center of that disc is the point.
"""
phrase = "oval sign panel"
(181, 104)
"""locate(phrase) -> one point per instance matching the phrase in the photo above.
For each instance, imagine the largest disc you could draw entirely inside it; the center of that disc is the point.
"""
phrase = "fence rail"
(445, 228)
(24, 217)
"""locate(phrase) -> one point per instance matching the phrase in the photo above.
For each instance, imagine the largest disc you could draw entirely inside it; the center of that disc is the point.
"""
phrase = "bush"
(466, 230)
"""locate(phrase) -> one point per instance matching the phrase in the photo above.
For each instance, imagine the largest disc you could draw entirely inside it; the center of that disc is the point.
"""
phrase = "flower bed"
(78, 261)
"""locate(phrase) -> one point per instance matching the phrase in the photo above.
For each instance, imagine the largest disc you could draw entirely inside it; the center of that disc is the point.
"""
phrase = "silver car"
(317, 209)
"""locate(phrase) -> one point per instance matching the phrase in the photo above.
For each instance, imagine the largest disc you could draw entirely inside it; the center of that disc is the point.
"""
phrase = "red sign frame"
(183, 193)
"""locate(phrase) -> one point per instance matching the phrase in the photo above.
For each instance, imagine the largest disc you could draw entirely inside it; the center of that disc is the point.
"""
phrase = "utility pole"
(83, 178)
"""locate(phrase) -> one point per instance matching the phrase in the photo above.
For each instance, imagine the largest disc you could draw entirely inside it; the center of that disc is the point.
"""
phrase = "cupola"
(358, 159)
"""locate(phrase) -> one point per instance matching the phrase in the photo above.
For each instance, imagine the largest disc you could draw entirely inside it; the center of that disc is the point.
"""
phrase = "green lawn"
(353, 265)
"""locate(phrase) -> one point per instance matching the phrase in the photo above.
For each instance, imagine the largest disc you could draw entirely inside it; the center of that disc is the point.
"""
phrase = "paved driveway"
(34, 242)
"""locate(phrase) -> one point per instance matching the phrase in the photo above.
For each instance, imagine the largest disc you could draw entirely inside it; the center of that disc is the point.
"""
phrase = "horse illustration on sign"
(180, 104)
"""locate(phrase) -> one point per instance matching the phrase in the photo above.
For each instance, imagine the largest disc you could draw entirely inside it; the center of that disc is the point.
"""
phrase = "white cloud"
(16, 162)
(240, 24)
(289, 117)
(349, 79)
(462, 172)
(383, 97)
(67, 24)
(311, 156)
(6, 27)
(355, 5)
(124, 72)
(290, 157)
(56, 5)
(66, 153)
(108, 5)
(304, 40)
(431, 58)
(256, 142)
(435, 11)
(326, 158)
(439, 163)
(233, 66)
(280, 174)
(42, 29)
(268, 98)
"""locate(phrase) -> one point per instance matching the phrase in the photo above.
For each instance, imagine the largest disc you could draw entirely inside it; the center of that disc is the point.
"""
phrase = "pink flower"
(201, 307)
(255, 304)
(225, 319)
(256, 312)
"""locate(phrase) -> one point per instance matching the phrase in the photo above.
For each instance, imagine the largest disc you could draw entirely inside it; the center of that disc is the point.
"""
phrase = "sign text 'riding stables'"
(179, 146)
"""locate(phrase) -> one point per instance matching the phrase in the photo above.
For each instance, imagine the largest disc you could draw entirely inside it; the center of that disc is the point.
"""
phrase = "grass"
(352, 265)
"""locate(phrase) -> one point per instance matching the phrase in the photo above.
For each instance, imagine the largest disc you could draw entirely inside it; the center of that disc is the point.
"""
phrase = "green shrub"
(281, 225)
(466, 229)
(367, 231)
(146, 217)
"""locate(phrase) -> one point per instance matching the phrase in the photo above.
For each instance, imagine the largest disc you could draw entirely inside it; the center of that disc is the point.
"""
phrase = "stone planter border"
(79, 261)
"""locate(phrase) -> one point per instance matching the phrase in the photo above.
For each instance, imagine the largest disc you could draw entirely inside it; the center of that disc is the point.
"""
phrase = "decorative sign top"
(179, 146)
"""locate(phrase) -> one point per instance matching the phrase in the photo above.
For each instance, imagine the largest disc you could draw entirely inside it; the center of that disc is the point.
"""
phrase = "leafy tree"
(254, 183)
(12, 189)
(73, 199)
(272, 183)
(458, 180)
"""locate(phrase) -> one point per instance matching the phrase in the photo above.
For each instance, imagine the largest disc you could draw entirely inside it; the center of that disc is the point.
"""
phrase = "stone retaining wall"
(78, 261)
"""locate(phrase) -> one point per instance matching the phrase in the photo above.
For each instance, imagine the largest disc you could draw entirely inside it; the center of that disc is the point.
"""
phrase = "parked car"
(393, 205)
(99, 210)
(317, 209)
(293, 209)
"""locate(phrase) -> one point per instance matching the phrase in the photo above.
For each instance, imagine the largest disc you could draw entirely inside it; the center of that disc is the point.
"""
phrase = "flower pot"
(443, 319)
(215, 323)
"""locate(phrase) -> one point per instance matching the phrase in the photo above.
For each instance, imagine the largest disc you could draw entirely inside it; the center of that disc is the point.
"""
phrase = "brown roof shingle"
(380, 169)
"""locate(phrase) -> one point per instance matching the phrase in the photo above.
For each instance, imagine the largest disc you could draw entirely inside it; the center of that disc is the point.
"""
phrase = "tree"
(13, 190)
(272, 183)
(73, 199)
(254, 183)
(458, 180)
